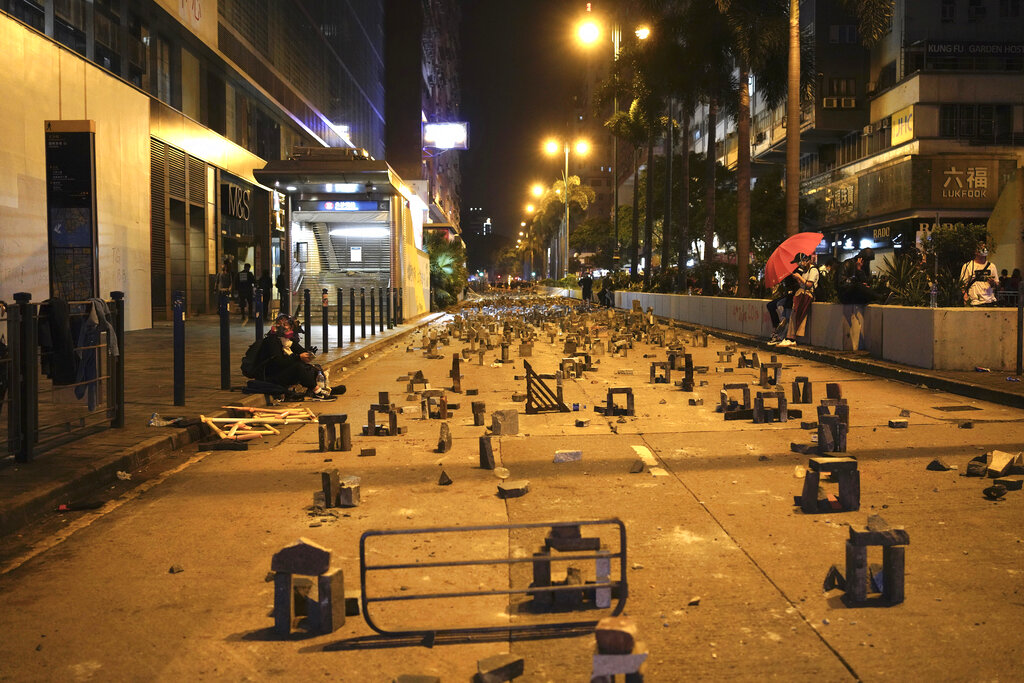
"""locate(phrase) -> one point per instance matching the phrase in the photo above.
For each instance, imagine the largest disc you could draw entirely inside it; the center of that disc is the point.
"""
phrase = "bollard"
(178, 318)
(323, 321)
(401, 305)
(362, 313)
(117, 363)
(351, 315)
(394, 307)
(307, 338)
(225, 344)
(341, 322)
(373, 314)
(15, 426)
(391, 322)
(1020, 325)
(257, 312)
(28, 395)
(380, 294)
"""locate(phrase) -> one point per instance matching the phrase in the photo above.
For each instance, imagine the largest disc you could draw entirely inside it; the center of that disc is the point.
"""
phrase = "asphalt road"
(724, 573)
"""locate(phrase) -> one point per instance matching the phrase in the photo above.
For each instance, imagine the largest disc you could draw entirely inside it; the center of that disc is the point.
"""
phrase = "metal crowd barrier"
(40, 412)
(426, 566)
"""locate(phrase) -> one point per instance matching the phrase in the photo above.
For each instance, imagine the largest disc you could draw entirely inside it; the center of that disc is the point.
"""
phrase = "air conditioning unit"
(872, 85)
(848, 102)
(868, 130)
(884, 123)
(830, 102)
(759, 138)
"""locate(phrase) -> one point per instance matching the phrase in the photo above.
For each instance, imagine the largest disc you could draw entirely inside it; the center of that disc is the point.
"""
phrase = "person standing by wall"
(224, 281)
(807, 274)
(979, 278)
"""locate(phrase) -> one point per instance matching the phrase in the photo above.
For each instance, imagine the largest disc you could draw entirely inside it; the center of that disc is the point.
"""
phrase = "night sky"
(519, 62)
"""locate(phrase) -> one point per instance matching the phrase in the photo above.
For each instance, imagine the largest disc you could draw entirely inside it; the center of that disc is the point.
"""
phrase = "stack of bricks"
(893, 541)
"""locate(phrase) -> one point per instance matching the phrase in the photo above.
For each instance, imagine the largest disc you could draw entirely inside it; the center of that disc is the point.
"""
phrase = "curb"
(46, 499)
(868, 367)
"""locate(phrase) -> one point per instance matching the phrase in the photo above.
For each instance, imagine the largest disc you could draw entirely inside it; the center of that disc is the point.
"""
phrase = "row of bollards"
(385, 313)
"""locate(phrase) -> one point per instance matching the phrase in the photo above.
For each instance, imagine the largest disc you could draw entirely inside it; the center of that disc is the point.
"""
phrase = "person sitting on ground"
(287, 363)
(854, 281)
(979, 279)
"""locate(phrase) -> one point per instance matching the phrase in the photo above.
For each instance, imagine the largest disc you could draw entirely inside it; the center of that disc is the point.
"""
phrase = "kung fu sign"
(965, 182)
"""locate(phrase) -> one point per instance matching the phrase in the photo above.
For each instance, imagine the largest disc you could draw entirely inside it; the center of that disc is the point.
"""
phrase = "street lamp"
(582, 148)
(588, 32)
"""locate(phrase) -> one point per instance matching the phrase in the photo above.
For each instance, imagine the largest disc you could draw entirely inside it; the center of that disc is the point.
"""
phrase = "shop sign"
(902, 125)
(236, 201)
(965, 182)
(956, 49)
(841, 199)
(348, 205)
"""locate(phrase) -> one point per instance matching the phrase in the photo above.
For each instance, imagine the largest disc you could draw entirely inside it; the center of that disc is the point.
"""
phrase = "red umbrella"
(780, 264)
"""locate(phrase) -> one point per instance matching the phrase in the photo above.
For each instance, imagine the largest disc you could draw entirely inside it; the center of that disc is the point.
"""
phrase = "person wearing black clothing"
(788, 287)
(587, 285)
(246, 281)
(854, 283)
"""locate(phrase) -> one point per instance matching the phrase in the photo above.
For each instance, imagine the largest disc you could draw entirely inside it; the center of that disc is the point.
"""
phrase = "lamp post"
(551, 147)
(589, 32)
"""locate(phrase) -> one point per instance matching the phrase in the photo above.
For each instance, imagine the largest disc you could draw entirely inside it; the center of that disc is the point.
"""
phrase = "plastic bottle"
(933, 297)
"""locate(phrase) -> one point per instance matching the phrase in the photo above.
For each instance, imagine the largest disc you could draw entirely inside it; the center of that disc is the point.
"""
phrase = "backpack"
(251, 363)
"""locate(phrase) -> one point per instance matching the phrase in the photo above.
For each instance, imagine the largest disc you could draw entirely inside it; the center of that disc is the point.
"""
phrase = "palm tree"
(757, 36)
(629, 127)
(873, 18)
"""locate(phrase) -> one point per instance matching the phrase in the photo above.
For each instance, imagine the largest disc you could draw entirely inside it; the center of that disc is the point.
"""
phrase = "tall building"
(175, 103)
(422, 84)
(924, 128)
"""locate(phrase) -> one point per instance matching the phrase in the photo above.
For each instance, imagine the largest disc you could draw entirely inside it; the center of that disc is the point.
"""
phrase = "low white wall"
(935, 338)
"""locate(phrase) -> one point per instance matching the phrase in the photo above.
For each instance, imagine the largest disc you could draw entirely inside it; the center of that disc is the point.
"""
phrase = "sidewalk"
(76, 470)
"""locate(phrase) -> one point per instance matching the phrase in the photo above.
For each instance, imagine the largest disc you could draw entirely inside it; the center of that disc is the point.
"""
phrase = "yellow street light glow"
(643, 32)
(582, 147)
(530, 208)
(537, 190)
(551, 146)
(588, 31)
(521, 232)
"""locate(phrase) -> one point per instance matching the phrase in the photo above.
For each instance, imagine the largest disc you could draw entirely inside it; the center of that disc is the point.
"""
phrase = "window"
(1009, 8)
(842, 87)
(985, 122)
(842, 33)
(162, 81)
(976, 10)
(948, 11)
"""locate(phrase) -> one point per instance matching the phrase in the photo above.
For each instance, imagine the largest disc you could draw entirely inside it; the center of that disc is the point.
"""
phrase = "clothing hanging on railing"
(58, 360)
(88, 364)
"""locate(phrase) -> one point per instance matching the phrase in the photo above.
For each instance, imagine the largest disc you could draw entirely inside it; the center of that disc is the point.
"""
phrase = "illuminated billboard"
(453, 135)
